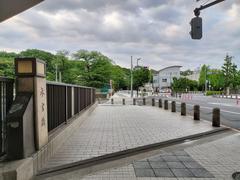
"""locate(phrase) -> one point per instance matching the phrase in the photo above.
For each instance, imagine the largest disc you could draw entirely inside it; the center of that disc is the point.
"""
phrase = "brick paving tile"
(163, 173)
(220, 159)
(115, 128)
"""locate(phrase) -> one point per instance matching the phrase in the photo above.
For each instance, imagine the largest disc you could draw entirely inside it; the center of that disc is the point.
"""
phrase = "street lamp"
(138, 59)
(131, 77)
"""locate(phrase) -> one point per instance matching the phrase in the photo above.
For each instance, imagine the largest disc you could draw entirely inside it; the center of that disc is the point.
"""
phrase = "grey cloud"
(156, 30)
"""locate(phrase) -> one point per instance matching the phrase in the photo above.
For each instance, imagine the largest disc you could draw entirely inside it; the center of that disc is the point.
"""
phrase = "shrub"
(210, 93)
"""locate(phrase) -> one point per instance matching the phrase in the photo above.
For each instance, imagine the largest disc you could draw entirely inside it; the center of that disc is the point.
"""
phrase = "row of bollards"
(196, 109)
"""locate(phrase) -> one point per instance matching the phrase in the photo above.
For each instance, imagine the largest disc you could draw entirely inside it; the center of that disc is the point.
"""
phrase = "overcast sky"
(155, 30)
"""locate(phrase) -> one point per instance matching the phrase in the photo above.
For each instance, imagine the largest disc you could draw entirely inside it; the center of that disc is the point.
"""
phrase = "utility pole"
(56, 73)
(206, 79)
(131, 77)
(60, 76)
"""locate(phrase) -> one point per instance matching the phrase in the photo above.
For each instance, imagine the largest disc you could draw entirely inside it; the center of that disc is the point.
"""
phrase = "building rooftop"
(169, 67)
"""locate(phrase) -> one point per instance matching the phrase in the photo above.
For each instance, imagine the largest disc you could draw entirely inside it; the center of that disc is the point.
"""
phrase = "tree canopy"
(87, 68)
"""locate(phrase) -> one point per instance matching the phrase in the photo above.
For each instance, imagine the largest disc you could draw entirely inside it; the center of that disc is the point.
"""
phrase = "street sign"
(9, 8)
(196, 28)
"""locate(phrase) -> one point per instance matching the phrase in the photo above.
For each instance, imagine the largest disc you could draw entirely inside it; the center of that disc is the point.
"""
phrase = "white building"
(163, 79)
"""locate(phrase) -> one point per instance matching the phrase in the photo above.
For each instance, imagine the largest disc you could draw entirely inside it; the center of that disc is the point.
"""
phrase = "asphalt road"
(230, 110)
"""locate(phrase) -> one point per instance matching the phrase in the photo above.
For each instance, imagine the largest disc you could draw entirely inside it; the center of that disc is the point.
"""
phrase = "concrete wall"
(25, 169)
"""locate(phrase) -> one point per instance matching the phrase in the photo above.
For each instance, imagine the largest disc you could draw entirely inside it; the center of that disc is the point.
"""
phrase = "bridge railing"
(65, 101)
(6, 99)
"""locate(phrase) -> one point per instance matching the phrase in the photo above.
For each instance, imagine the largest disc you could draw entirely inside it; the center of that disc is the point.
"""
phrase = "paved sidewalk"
(115, 128)
(219, 158)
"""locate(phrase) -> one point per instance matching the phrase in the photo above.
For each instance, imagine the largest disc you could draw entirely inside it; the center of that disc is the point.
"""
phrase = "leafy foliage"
(88, 68)
(141, 75)
(203, 76)
(186, 73)
(184, 84)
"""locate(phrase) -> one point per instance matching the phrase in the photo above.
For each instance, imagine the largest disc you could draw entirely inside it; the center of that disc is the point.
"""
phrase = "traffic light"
(196, 28)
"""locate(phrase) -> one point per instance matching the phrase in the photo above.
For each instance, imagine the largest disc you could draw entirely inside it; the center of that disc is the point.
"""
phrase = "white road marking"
(222, 104)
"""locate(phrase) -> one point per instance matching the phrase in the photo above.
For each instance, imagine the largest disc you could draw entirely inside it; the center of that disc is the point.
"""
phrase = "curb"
(128, 152)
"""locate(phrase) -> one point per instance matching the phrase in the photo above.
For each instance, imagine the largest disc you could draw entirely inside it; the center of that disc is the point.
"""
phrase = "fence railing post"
(196, 113)
(73, 99)
(216, 117)
(173, 106)
(183, 109)
(160, 103)
(166, 104)
(66, 103)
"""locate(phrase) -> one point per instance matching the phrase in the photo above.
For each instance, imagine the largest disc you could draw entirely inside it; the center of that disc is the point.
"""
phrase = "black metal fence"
(6, 99)
(65, 100)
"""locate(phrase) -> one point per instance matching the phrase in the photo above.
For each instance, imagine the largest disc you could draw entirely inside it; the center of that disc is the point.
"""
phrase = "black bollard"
(144, 101)
(123, 101)
(183, 109)
(153, 102)
(134, 101)
(196, 115)
(112, 101)
(216, 117)
(166, 104)
(173, 106)
(160, 103)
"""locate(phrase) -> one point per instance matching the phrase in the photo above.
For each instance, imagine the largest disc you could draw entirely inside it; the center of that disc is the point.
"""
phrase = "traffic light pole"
(197, 10)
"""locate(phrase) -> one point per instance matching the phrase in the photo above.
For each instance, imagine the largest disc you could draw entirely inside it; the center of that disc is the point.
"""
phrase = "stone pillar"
(30, 77)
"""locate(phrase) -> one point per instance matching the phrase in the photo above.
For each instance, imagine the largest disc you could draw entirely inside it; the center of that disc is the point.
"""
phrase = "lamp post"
(131, 77)
(138, 59)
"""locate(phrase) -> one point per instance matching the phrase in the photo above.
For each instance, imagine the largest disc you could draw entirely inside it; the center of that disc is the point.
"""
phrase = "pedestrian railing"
(6, 99)
(65, 101)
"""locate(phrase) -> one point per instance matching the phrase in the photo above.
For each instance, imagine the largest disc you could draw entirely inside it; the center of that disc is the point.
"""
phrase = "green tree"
(235, 77)
(183, 84)
(6, 67)
(120, 78)
(141, 75)
(97, 68)
(203, 76)
(48, 57)
(186, 73)
(227, 70)
(62, 63)
(216, 79)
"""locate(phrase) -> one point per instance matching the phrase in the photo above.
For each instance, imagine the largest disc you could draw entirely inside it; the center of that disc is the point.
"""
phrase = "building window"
(164, 80)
